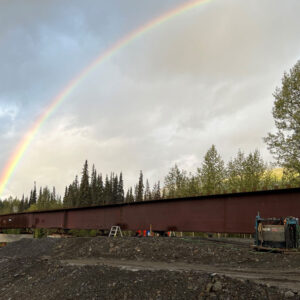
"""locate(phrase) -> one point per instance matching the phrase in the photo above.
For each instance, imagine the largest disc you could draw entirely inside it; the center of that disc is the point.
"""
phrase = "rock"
(209, 287)
(217, 286)
(289, 294)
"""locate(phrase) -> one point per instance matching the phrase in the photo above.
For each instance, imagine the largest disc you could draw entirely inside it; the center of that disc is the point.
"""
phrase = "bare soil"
(145, 268)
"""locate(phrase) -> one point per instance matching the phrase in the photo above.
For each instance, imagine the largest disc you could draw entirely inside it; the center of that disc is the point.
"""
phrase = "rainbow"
(57, 101)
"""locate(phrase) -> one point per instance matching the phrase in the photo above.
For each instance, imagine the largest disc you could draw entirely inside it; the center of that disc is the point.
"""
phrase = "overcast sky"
(204, 77)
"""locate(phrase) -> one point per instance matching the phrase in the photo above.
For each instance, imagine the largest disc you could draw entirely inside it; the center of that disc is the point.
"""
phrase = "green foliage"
(11, 231)
(285, 143)
(176, 183)
(120, 189)
(83, 233)
(40, 233)
(85, 190)
(245, 173)
(94, 188)
(242, 173)
(147, 194)
(156, 193)
(212, 173)
(290, 178)
(140, 188)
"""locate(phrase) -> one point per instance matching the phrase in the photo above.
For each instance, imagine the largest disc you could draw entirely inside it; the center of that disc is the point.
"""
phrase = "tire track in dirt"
(280, 278)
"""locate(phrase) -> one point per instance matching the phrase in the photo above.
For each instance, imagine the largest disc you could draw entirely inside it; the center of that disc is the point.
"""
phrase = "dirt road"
(283, 279)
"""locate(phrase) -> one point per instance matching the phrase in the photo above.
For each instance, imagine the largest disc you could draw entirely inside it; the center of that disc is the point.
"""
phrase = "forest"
(243, 173)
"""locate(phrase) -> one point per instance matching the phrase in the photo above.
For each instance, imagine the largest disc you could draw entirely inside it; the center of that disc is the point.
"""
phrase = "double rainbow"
(54, 104)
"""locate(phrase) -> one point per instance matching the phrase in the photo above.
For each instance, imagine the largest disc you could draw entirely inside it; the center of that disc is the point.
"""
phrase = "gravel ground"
(143, 268)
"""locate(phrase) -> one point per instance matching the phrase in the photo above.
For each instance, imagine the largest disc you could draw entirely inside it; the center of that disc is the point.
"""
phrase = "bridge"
(225, 213)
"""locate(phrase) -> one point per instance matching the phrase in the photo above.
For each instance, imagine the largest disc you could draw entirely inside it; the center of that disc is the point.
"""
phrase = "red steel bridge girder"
(227, 213)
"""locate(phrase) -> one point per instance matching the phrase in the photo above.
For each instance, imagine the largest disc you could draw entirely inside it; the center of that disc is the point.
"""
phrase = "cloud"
(205, 77)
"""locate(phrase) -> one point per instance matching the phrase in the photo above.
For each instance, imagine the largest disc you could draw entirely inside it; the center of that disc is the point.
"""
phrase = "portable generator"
(277, 232)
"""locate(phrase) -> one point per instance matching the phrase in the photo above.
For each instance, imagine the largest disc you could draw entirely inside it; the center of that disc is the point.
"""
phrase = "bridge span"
(225, 213)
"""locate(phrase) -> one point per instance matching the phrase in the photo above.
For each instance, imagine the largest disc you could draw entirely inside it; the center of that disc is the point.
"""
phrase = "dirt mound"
(143, 268)
(190, 250)
(29, 248)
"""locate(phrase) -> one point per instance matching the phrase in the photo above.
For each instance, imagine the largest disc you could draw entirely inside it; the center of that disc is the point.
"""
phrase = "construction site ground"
(145, 268)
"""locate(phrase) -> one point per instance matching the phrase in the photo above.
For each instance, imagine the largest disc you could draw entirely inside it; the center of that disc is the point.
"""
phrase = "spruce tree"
(147, 195)
(156, 193)
(34, 195)
(120, 190)
(85, 191)
(65, 199)
(100, 190)
(75, 197)
(107, 191)
(140, 188)
(94, 190)
(115, 185)
(131, 196)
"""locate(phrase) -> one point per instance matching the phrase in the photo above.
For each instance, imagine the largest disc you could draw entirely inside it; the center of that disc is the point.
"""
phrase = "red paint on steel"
(231, 213)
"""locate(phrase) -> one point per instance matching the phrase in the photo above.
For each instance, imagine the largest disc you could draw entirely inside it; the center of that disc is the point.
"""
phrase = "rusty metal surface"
(230, 213)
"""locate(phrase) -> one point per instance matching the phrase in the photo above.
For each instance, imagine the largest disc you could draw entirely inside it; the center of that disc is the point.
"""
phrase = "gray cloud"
(204, 77)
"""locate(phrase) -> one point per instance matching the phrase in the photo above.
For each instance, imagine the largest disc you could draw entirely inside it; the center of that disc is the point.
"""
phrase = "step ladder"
(172, 233)
(114, 230)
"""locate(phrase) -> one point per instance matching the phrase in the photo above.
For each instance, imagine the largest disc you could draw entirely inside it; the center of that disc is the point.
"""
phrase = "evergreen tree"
(115, 185)
(136, 193)
(107, 191)
(147, 195)
(94, 188)
(156, 193)
(75, 193)
(33, 196)
(53, 196)
(85, 191)
(22, 204)
(26, 205)
(66, 197)
(140, 188)
(120, 189)
(100, 190)
(131, 197)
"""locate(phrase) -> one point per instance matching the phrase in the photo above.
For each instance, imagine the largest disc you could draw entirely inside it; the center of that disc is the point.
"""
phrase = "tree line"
(244, 172)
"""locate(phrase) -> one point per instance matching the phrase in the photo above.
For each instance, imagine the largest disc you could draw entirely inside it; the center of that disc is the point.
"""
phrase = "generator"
(277, 232)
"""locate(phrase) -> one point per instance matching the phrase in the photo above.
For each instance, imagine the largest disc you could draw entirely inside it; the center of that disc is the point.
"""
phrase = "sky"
(204, 77)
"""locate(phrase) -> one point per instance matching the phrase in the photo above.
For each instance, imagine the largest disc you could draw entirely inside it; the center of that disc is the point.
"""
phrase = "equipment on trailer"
(277, 232)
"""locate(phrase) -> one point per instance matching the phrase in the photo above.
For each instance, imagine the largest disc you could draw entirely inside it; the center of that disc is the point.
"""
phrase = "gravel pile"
(189, 250)
(50, 280)
(29, 248)
(36, 269)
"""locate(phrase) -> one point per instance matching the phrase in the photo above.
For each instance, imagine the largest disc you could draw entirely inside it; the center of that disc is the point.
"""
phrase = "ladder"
(114, 230)
(172, 233)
